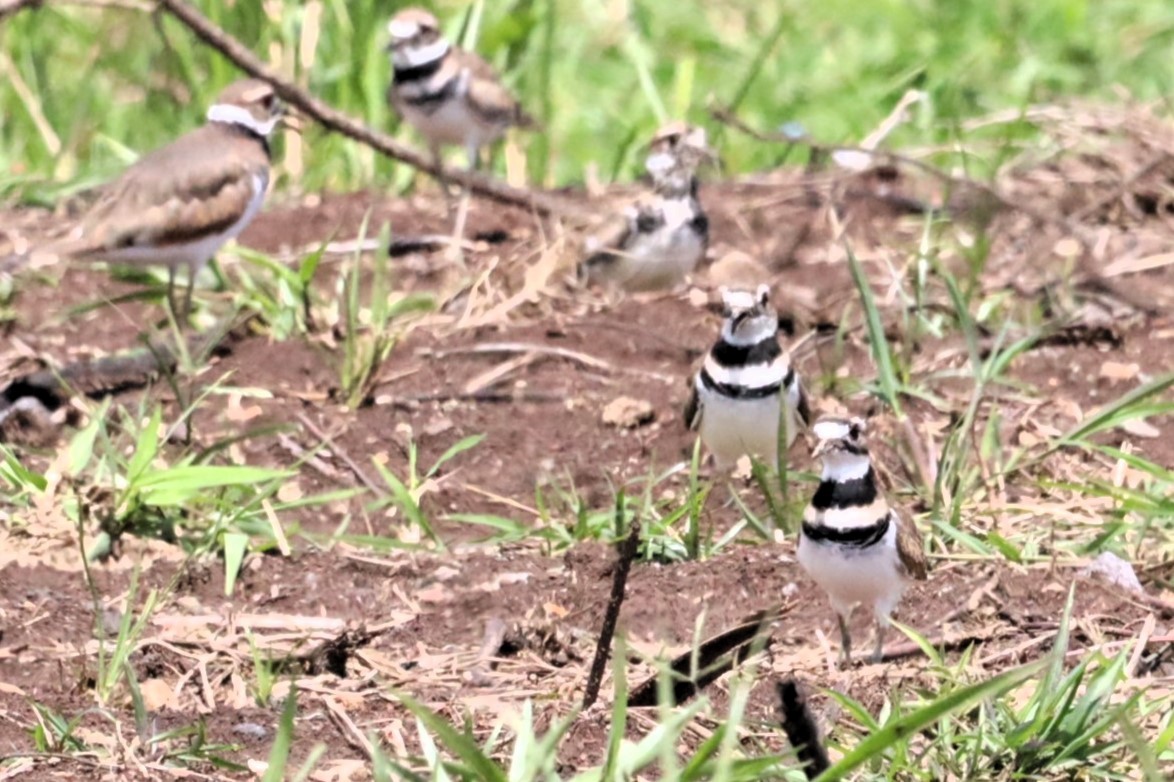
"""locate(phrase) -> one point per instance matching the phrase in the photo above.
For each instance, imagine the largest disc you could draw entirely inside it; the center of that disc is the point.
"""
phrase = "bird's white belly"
(731, 428)
(662, 259)
(452, 122)
(193, 254)
(854, 576)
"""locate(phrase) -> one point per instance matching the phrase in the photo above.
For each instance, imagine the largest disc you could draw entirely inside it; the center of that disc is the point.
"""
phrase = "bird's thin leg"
(434, 150)
(458, 231)
(171, 292)
(845, 641)
(187, 296)
(878, 652)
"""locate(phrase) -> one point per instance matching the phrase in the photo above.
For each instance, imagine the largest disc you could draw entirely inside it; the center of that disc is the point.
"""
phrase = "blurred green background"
(82, 91)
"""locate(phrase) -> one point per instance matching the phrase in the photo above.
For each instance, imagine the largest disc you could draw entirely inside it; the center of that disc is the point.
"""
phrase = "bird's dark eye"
(854, 432)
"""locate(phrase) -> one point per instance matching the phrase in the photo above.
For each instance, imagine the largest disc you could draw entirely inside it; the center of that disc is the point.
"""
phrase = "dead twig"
(586, 359)
(495, 632)
(627, 553)
(337, 121)
(523, 347)
(477, 396)
(1068, 226)
(351, 732)
(497, 374)
(1121, 189)
(112, 374)
(342, 455)
(714, 658)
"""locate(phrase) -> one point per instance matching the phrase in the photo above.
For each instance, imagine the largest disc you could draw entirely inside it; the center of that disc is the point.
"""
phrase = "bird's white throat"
(841, 466)
(415, 57)
(751, 331)
(237, 115)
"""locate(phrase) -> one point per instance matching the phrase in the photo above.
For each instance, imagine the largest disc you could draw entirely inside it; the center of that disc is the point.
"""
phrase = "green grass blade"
(457, 448)
(900, 728)
(457, 742)
(1117, 411)
(283, 741)
(886, 373)
(235, 545)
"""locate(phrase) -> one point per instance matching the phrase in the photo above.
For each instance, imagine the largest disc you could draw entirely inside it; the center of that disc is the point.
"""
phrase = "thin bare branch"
(334, 120)
(10, 7)
(1069, 227)
(627, 550)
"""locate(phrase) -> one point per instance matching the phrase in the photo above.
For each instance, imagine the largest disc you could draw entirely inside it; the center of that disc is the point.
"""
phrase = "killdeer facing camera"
(657, 242)
(852, 544)
(178, 205)
(747, 388)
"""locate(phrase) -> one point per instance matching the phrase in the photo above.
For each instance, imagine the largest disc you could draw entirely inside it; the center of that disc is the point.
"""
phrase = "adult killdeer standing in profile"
(449, 95)
(656, 242)
(747, 389)
(176, 206)
(852, 543)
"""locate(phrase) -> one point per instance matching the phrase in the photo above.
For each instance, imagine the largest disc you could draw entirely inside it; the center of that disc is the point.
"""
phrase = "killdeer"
(451, 96)
(852, 543)
(179, 204)
(657, 242)
(747, 388)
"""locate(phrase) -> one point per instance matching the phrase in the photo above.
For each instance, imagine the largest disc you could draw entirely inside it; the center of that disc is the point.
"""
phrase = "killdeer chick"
(852, 543)
(449, 95)
(176, 206)
(656, 243)
(747, 388)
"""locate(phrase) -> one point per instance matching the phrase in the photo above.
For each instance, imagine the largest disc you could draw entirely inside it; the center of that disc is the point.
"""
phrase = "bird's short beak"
(292, 121)
(820, 449)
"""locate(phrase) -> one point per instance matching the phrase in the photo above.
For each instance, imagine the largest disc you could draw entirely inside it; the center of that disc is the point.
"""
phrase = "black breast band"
(734, 391)
(857, 537)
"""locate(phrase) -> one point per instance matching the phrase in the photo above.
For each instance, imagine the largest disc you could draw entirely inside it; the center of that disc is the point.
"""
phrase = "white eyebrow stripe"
(398, 28)
(830, 430)
(237, 115)
(738, 301)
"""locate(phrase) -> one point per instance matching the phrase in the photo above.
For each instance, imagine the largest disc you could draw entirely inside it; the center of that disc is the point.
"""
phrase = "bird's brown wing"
(610, 237)
(803, 406)
(693, 409)
(199, 185)
(490, 98)
(910, 548)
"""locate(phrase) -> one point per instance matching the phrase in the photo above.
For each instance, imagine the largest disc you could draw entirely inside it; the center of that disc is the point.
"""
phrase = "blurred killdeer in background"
(852, 543)
(747, 388)
(656, 242)
(178, 205)
(449, 95)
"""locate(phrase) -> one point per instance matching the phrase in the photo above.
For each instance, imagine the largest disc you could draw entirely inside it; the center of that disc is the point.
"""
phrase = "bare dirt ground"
(416, 620)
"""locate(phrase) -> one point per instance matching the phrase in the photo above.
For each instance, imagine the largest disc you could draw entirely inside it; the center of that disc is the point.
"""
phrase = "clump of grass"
(281, 295)
(371, 332)
(671, 517)
(406, 495)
